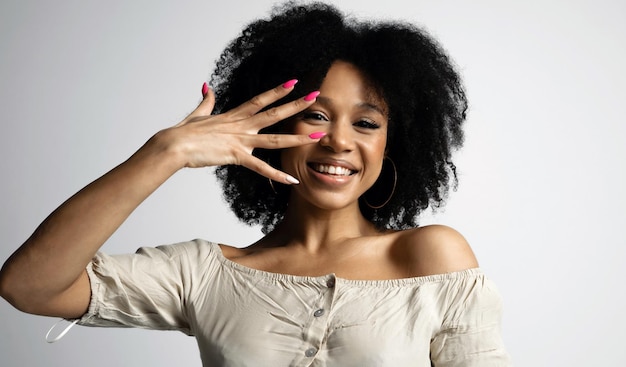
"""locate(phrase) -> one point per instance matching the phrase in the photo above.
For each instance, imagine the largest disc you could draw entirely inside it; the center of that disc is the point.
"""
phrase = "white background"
(541, 198)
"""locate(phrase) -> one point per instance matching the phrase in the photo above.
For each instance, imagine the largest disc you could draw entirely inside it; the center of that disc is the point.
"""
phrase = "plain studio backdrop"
(542, 175)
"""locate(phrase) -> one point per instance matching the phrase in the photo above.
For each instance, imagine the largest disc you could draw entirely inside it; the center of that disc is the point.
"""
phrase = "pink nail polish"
(317, 135)
(205, 89)
(290, 83)
(311, 96)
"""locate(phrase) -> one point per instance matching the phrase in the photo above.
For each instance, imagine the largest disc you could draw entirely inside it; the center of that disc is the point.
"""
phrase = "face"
(347, 161)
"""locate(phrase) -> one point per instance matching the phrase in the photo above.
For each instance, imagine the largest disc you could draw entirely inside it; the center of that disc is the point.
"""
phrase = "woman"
(335, 166)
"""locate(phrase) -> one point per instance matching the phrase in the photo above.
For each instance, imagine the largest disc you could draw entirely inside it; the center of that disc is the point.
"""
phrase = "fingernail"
(311, 96)
(317, 135)
(292, 180)
(290, 83)
(205, 89)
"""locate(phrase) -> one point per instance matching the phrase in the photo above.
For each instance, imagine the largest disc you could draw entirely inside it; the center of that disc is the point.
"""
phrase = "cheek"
(291, 126)
(376, 156)
(300, 127)
(286, 156)
(289, 157)
(378, 147)
(377, 153)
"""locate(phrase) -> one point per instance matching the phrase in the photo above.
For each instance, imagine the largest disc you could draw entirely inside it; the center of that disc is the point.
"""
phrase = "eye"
(314, 116)
(367, 124)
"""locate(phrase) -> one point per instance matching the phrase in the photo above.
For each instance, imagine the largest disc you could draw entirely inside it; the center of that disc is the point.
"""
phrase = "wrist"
(162, 152)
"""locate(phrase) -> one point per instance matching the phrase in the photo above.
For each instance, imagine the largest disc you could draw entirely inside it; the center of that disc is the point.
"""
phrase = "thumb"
(205, 107)
(208, 101)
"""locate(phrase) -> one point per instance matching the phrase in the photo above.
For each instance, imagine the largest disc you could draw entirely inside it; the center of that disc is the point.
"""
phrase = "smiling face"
(347, 161)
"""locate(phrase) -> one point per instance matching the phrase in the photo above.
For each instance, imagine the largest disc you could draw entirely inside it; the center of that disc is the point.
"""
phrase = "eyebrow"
(366, 105)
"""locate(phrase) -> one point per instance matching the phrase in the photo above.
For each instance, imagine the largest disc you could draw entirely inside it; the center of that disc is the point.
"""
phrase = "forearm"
(56, 254)
(46, 275)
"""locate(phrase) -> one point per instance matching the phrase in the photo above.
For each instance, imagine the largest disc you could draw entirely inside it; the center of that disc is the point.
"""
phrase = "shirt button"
(310, 352)
(318, 313)
(330, 282)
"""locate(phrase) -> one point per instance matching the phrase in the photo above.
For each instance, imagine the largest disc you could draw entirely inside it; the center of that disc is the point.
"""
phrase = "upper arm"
(73, 302)
(437, 249)
(470, 332)
(70, 303)
(150, 289)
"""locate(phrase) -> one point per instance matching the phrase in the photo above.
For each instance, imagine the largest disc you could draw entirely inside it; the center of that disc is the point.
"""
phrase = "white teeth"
(332, 170)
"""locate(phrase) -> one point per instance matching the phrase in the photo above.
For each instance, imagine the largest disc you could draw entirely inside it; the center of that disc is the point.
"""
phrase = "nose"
(338, 138)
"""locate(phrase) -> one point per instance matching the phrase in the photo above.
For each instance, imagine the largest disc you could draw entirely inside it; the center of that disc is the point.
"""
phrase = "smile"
(331, 170)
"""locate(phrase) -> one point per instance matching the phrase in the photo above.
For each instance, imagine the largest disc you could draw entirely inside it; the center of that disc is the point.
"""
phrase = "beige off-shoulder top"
(247, 317)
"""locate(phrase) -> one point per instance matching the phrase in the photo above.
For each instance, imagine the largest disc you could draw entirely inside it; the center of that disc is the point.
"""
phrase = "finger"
(204, 108)
(208, 102)
(258, 102)
(264, 169)
(273, 115)
(279, 141)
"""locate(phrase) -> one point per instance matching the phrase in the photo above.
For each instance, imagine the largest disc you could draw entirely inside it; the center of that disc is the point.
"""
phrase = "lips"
(330, 169)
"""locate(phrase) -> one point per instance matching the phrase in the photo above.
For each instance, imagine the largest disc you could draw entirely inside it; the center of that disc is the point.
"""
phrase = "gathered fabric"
(247, 317)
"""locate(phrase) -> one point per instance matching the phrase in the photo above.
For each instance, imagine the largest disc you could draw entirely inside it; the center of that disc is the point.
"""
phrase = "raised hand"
(46, 275)
(203, 139)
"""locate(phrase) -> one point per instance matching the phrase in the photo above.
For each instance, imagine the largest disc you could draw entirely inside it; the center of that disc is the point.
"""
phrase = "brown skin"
(417, 252)
(323, 231)
(46, 275)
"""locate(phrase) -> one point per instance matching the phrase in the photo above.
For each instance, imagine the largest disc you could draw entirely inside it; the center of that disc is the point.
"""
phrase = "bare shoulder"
(231, 252)
(435, 249)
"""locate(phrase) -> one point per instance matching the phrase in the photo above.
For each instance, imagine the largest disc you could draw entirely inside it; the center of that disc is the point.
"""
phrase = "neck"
(318, 230)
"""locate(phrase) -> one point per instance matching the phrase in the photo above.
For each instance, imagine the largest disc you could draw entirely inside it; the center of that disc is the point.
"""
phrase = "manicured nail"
(290, 83)
(292, 180)
(317, 135)
(311, 96)
(205, 89)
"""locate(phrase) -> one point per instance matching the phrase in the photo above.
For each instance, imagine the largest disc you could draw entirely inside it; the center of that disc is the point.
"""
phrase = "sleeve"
(470, 334)
(148, 289)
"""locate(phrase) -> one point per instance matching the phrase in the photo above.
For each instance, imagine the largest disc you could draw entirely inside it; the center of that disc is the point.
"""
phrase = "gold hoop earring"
(393, 189)
(272, 186)
(269, 179)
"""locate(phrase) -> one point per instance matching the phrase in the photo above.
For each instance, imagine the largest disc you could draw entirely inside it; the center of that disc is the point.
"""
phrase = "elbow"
(38, 299)
(5, 282)
(15, 292)
(8, 288)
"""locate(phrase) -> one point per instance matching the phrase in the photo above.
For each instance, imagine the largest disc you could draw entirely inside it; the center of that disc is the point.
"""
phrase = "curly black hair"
(413, 74)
